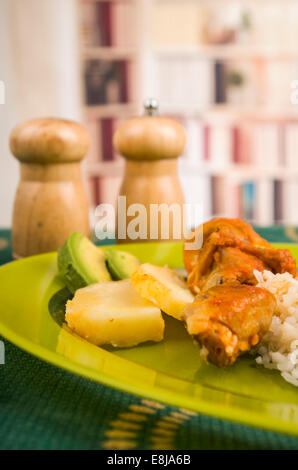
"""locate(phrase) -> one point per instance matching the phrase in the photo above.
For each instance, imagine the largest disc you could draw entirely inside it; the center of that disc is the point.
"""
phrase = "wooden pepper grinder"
(150, 144)
(50, 202)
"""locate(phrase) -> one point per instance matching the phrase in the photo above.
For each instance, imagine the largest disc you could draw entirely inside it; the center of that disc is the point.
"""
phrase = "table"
(43, 407)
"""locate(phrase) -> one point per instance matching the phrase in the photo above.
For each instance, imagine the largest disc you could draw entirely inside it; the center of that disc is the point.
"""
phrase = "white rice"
(279, 347)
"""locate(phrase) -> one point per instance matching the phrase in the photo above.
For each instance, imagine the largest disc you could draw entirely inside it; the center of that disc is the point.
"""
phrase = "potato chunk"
(114, 313)
(163, 287)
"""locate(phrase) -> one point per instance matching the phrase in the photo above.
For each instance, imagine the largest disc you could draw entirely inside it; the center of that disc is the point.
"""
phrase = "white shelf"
(225, 51)
(239, 171)
(113, 1)
(216, 1)
(111, 110)
(108, 53)
(256, 112)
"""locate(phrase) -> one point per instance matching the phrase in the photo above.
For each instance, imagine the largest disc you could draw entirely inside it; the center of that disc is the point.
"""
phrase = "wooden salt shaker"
(50, 202)
(150, 144)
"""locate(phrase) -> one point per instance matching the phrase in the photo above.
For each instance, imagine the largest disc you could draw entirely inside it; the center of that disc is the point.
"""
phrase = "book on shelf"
(222, 136)
(252, 143)
(197, 81)
(185, 83)
(105, 24)
(90, 34)
(291, 145)
(277, 200)
(289, 202)
(108, 128)
(266, 143)
(226, 200)
(106, 82)
(107, 140)
(237, 202)
(94, 182)
(235, 194)
(104, 189)
(264, 205)
(226, 196)
(132, 82)
(104, 18)
(123, 24)
(96, 24)
(220, 82)
(196, 190)
(163, 70)
(116, 123)
(236, 144)
(101, 132)
(259, 202)
(194, 149)
(220, 145)
(248, 200)
(95, 134)
(244, 154)
(217, 195)
(122, 76)
(263, 144)
(206, 142)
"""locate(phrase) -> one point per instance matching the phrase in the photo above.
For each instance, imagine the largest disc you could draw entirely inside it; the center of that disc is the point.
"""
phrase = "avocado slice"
(81, 263)
(121, 264)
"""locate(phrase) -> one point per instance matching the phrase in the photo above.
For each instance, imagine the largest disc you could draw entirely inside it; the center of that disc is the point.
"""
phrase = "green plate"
(171, 371)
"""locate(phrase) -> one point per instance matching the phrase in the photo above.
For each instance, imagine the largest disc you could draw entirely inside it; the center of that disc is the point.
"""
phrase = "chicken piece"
(230, 314)
(231, 252)
(228, 320)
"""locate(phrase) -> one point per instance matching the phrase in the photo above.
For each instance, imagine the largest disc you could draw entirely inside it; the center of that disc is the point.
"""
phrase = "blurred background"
(223, 68)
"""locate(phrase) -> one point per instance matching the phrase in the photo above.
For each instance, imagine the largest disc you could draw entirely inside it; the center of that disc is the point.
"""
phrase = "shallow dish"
(171, 371)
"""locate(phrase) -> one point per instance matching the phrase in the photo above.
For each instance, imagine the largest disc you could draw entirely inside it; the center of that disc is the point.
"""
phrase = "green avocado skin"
(81, 263)
(67, 270)
(121, 264)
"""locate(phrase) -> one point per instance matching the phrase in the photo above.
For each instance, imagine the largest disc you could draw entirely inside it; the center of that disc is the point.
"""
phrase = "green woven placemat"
(43, 407)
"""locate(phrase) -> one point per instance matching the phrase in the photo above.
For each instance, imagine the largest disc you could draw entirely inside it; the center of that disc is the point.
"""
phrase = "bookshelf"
(228, 84)
(109, 71)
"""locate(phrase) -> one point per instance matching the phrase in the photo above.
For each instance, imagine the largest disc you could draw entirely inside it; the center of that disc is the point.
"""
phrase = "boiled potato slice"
(163, 287)
(114, 313)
